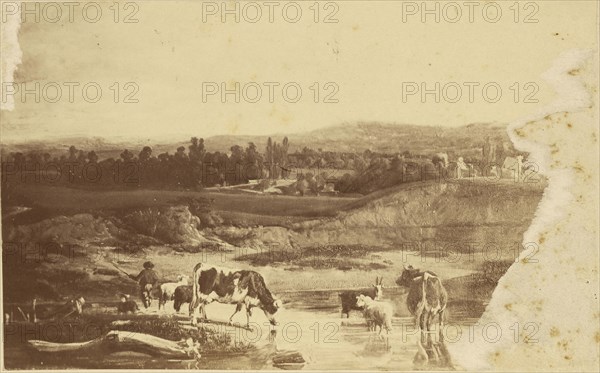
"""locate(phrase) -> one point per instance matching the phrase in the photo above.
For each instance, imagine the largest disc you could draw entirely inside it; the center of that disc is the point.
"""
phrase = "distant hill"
(351, 137)
(104, 148)
(380, 137)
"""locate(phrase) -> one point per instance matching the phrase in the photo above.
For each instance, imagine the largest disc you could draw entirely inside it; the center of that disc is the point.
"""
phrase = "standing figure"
(147, 279)
(460, 167)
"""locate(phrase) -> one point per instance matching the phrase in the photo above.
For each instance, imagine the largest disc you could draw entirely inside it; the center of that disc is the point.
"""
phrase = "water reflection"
(348, 346)
(377, 346)
(432, 351)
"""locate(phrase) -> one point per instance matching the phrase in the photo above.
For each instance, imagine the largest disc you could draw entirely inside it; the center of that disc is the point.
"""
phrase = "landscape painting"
(292, 185)
(314, 222)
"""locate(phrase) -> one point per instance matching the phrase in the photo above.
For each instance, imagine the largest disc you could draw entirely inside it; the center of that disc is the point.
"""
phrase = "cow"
(348, 298)
(167, 290)
(426, 299)
(242, 288)
(183, 294)
(126, 305)
(440, 160)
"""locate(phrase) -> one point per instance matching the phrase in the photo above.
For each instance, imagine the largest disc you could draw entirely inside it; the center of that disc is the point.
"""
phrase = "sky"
(364, 65)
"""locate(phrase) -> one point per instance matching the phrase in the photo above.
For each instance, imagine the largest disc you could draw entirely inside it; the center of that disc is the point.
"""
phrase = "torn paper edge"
(11, 53)
(572, 97)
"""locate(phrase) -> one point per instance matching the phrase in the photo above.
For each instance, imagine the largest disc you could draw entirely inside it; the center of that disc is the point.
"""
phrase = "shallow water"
(310, 324)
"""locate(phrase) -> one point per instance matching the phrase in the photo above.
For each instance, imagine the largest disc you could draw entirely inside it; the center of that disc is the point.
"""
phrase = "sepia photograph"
(300, 185)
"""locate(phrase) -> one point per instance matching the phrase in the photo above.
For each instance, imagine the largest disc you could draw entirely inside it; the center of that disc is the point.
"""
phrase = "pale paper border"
(561, 296)
(11, 53)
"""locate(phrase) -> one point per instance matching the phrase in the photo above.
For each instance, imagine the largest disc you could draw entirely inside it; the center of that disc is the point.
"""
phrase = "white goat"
(167, 290)
(377, 313)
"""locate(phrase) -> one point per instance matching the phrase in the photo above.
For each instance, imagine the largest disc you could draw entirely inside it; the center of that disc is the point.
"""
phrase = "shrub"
(145, 221)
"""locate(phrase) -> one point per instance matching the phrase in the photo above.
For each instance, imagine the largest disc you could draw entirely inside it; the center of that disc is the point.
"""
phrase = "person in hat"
(147, 279)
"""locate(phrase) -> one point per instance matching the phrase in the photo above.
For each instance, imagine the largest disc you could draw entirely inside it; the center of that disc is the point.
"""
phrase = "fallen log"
(186, 324)
(146, 343)
(45, 346)
(116, 340)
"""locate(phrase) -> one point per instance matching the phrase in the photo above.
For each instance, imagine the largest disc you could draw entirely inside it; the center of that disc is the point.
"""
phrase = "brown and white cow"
(426, 299)
(242, 288)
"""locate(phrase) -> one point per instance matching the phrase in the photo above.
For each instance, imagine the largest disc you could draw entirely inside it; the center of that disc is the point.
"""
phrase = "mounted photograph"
(295, 185)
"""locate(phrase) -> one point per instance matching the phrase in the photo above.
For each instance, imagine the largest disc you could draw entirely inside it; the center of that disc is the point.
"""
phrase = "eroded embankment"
(455, 216)
(459, 215)
(459, 211)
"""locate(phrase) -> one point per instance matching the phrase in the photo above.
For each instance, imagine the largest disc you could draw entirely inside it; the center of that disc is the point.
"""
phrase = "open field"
(55, 200)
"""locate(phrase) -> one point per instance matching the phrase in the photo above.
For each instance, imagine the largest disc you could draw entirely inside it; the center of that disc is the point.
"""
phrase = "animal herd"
(426, 297)
(243, 288)
(246, 289)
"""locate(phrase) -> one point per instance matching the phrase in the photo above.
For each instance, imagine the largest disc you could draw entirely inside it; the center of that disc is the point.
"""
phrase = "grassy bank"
(93, 325)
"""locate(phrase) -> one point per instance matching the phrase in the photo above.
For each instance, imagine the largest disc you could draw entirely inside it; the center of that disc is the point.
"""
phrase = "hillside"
(380, 137)
(455, 211)
(370, 233)
(356, 137)
(463, 210)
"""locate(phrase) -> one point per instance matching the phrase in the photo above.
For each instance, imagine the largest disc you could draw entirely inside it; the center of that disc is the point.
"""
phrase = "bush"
(318, 257)
(145, 221)
(263, 184)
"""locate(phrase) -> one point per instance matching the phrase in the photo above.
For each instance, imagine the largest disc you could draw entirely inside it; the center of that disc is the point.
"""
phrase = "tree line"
(193, 167)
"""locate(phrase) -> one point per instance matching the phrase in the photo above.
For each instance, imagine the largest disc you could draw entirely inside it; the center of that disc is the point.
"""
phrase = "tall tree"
(92, 157)
(145, 154)
(284, 155)
(196, 150)
(180, 155)
(72, 153)
(270, 159)
(126, 155)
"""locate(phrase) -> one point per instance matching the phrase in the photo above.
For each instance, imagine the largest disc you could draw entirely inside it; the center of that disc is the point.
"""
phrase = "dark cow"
(426, 298)
(127, 306)
(183, 294)
(242, 288)
(348, 298)
(440, 160)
